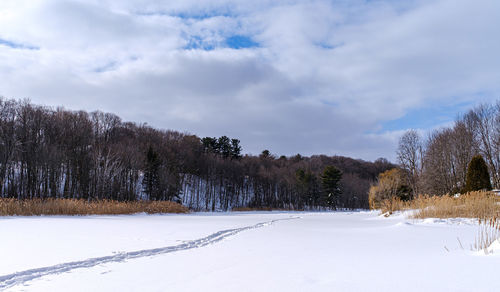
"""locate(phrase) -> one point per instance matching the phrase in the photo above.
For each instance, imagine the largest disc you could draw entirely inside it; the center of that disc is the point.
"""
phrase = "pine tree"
(210, 145)
(331, 188)
(477, 177)
(265, 154)
(308, 187)
(151, 174)
(235, 149)
(224, 146)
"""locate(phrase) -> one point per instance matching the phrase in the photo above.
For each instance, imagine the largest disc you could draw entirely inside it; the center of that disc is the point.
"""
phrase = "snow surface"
(254, 251)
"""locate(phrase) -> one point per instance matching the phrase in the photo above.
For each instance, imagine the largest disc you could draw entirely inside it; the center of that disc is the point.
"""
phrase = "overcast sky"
(334, 77)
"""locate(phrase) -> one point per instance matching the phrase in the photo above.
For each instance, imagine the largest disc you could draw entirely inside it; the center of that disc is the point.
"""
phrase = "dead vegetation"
(483, 206)
(479, 205)
(34, 207)
(488, 232)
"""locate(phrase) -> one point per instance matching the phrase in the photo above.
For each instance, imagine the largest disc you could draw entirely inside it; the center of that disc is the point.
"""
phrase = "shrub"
(477, 177)
(391, 186)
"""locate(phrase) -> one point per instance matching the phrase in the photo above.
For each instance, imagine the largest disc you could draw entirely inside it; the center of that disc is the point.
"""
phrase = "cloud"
(289, 76)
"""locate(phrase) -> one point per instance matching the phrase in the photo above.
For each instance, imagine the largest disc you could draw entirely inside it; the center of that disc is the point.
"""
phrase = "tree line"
(441, 163)
(56, 153)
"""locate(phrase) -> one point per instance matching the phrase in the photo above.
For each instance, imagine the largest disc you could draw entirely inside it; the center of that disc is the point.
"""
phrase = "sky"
(338, 77)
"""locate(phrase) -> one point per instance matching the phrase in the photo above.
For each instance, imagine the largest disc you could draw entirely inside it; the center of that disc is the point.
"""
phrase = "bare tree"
(410, 155)
(463, 147)
(439, 175)
(486, 123)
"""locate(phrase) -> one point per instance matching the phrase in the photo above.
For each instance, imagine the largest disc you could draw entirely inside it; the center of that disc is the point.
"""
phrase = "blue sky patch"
(197, 43)
(427, 117)
(329, 46)
(15, 45)
(203, 15)
(106, 67)
(233, 42)
(199, 15)
(241, 42)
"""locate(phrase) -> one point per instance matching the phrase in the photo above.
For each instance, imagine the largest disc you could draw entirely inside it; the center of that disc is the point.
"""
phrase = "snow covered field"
(256, 251)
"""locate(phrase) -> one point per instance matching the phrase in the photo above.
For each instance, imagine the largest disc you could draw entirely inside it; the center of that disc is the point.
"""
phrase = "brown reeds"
(34, 207)
(483, 206)
(489, 232)
(480, 205)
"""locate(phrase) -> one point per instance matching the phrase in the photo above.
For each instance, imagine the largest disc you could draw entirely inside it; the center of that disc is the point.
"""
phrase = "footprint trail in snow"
(19, 278)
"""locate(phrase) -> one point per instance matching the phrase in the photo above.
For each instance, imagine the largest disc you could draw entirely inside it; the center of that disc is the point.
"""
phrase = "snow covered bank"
(358, 251)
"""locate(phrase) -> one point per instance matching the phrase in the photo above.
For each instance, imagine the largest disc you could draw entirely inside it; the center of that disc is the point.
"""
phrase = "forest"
(442, 162)
(57, 153)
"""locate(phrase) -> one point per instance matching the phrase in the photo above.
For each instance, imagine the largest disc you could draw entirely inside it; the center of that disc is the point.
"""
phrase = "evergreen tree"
(235, 149)
(151, 174)
(297, 158)
(302, 186)
(331, 188)
(265, 154)
(477, 177)
(207, 144)
(308, 187)
(225, 148)
(210, 145)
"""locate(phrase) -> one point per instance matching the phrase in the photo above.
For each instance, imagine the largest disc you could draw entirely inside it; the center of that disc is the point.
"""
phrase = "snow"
(247, 251)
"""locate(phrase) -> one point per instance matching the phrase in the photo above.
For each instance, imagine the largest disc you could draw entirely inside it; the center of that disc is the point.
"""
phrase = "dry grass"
(9, 207)
(489, 232)
(480, 205)
(483, 206)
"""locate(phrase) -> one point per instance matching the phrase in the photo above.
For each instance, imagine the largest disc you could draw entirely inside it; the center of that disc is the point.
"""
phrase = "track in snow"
(22, 277)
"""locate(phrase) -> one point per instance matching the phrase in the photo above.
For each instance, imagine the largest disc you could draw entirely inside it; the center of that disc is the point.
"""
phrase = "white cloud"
(325, 76)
